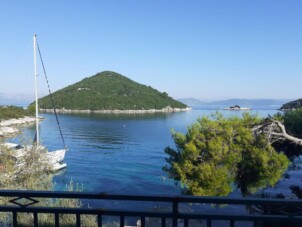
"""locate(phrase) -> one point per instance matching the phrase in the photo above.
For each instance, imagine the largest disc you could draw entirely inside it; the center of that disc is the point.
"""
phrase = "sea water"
(124, 154)
(118, 153)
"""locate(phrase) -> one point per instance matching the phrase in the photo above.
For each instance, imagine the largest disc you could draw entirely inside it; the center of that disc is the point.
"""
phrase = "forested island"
(110, 92)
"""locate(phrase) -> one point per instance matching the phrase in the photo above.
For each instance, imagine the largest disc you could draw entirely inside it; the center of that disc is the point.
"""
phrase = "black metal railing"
(148, 210)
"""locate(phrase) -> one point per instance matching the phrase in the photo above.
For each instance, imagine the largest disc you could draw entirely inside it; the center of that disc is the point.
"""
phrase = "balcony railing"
(150, 210)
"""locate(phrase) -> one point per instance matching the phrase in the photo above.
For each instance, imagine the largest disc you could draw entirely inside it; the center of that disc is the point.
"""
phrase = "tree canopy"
(218, 155)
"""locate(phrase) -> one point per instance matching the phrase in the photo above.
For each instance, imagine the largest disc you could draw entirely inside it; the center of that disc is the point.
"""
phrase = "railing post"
(57, 221)
(100, 220)
(143, 222)
(15, 219)
(36, 222)
(78, 220)
(186, 222)
(122, 220)
(174, 212)
(163, 222)
(209, 222)
(232, 223)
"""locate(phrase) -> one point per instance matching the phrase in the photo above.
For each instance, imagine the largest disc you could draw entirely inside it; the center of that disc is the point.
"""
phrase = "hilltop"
(108, 91)
(292, 105)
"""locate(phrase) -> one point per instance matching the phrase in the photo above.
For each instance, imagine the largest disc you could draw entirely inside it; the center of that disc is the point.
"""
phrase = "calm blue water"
(122, 154)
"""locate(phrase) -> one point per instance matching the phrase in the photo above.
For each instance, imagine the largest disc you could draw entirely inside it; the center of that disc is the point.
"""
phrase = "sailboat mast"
(36, 88)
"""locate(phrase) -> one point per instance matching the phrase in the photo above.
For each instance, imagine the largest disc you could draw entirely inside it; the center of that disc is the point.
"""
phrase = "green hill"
(109, 91)
(292, 105)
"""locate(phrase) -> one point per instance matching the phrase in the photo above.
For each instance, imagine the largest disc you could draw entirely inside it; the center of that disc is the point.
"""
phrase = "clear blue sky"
(204, 49)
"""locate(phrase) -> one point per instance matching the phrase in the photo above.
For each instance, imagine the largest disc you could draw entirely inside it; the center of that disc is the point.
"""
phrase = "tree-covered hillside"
(109, 91)
(292, 105)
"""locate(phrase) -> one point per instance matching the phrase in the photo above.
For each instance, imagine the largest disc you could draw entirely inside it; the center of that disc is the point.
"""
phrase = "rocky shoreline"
(10, 127)
(164, 110)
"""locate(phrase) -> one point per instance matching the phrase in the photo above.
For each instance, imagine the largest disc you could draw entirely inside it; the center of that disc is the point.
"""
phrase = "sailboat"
(54, 159)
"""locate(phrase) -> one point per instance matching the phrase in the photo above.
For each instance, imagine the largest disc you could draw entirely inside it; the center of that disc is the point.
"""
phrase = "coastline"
(142, 111)
(9, 128)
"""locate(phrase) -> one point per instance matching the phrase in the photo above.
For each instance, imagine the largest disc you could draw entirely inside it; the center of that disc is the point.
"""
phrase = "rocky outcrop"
(9, 127)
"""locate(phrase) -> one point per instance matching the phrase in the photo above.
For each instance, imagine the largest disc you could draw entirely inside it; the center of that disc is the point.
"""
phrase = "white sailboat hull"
(54, 159)
(58, 166)
(56, 156)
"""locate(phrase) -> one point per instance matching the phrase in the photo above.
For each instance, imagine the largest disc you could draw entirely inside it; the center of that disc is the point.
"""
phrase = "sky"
(209, 50)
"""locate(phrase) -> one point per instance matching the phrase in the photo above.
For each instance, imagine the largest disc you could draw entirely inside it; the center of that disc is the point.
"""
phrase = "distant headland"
(292, 105)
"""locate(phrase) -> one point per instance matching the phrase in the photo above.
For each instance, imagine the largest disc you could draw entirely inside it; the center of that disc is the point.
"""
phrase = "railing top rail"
(151, 198)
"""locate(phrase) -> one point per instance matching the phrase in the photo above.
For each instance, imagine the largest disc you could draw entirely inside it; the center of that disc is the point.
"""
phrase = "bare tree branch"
(275, 131)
